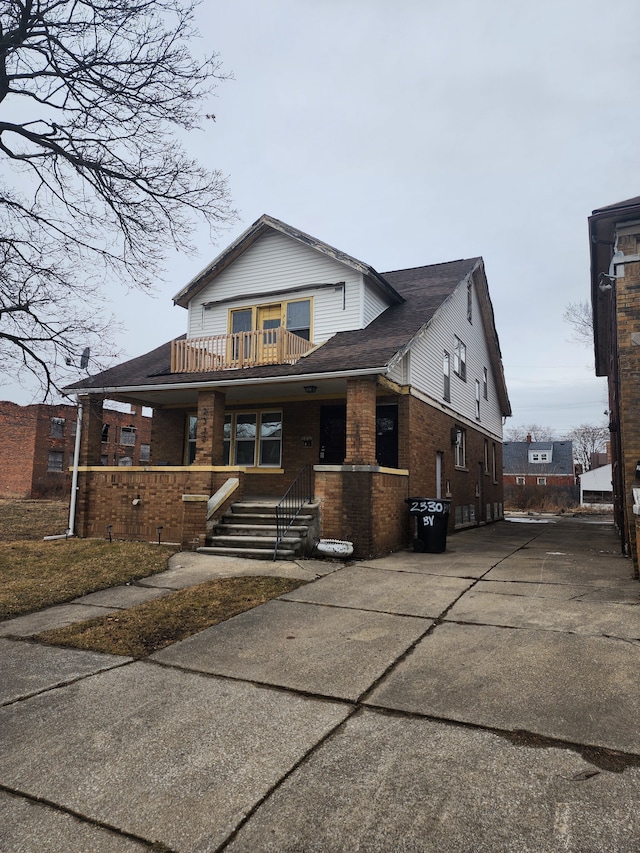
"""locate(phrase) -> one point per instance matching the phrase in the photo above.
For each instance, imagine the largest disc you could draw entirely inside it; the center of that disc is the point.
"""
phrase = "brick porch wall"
(106, 497)
(364, 505)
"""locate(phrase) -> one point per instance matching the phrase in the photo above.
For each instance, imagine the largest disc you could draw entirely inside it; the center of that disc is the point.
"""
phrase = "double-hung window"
(57, 428)
(253, 438)
(460, 448)
(459, 358)
(446, 377)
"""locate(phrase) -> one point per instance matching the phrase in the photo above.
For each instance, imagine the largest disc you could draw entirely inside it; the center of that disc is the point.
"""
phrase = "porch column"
(210, 435)
(91, 435)
(361, 421)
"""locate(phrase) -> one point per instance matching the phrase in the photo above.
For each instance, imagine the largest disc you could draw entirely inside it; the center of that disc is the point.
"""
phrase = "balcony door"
(269, 320)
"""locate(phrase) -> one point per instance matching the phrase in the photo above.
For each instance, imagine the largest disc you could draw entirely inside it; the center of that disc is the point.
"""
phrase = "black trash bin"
(432, 519)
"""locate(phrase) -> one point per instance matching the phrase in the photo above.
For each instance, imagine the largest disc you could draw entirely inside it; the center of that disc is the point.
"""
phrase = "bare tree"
(580, 317)
(94, 183)
(537, 433)
(588, 439)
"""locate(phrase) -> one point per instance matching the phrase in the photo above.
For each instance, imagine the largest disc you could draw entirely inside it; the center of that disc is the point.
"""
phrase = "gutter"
(230, 383)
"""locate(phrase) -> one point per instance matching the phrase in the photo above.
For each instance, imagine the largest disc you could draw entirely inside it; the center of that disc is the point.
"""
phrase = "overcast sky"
(419, 132)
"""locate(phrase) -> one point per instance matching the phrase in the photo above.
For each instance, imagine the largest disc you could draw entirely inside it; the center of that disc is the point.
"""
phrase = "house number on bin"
(426, 506)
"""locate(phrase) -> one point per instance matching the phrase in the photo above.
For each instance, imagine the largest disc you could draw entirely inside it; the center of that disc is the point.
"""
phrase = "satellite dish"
(84, 358)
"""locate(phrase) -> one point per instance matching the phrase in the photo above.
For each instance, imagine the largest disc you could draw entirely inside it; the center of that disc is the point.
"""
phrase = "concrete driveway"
(484, 699)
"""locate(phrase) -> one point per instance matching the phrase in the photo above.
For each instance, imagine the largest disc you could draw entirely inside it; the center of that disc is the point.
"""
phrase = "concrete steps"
(249, 529)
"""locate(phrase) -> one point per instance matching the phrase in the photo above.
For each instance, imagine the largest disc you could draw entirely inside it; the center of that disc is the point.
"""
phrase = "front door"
(387, 436)
(269, 320)
(333, 434)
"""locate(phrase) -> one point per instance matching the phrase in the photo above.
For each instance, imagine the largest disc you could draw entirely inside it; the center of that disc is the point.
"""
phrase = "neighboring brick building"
(300, 357)
(37, 445)
(614, 233)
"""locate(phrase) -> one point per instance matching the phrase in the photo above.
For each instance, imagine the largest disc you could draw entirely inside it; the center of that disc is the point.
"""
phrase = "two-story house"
(301, 358)
(533, 470)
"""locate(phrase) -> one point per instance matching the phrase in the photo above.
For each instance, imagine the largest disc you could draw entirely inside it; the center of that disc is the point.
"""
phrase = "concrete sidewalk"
(484, 699)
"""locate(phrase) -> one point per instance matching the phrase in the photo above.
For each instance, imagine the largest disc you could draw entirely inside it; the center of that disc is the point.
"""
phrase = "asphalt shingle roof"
(515, 458)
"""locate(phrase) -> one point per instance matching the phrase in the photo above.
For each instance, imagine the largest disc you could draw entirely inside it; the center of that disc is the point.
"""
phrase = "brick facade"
(31, 433)
(360, 501)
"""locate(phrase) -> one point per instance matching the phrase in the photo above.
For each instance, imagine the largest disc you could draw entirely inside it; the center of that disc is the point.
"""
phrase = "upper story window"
(293, 315)
(128, 435)
(539, 456)
(469, 302)
(477, 400)
(446, 376)
(57, 428)
(459, 358)
(55, 461)
(485, 383)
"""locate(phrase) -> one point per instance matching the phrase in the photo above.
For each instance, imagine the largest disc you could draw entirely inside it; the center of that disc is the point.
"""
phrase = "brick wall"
(627, 296)
(27, 441)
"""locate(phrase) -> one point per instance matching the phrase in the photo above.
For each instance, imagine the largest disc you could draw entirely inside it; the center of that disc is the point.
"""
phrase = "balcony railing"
(244, 349)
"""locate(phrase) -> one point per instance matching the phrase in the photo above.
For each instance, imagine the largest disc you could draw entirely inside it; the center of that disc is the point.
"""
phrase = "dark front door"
(333, 434)
(387, 436)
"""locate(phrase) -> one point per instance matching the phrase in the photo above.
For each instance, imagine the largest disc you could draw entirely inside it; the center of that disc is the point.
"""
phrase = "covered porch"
(212, 446)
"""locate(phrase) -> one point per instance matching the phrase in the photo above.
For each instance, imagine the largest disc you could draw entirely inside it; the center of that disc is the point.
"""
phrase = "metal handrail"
(289, 506)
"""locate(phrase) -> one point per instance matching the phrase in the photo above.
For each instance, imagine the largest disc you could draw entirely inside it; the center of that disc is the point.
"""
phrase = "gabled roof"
(419, 293)
(602, 226)
(515, 458)
(254, 232)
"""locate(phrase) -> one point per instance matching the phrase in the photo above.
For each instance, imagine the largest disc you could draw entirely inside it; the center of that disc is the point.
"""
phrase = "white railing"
(244, 349)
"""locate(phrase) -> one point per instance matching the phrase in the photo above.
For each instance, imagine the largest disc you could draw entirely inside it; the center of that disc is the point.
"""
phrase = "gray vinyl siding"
(275, 263)
(426, 361)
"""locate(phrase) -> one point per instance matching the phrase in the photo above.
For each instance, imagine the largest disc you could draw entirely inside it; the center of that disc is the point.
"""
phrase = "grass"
(32, 519)
(156, 624)
(40, 574)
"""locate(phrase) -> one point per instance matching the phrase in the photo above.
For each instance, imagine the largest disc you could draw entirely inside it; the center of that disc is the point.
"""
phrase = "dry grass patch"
(156, 624)
(32, 519)
(34, 575)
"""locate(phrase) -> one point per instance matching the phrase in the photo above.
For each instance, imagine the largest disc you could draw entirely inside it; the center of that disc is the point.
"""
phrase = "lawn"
(156, 624)
(35, 573)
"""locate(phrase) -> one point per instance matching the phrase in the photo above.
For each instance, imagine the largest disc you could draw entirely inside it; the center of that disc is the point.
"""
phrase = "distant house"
(596, 488)
(305, 371)
(37, 444)
(539, 467)
(614, 236)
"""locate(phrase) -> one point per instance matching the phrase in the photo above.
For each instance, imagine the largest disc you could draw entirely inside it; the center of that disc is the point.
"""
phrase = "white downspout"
(74, 478)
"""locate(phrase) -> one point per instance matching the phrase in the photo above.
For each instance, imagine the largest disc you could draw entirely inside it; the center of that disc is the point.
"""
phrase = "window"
(299, 318)
(270, 439)
(105, 432)
(477, 400)
(55, 461)
(469, 303)
(125, 461)
(128, 436)
(520, 481)
(485, 383)
(295, 316)
(459, 358)
(486, 456)
(446, 376)
(145, 452)
(542, 481)
(539, 456)
(460, 448)
(227, 439)
(57, 429)
(494, 467)
(192, 432)
(104, 459)
(245, 439)
(74, 428)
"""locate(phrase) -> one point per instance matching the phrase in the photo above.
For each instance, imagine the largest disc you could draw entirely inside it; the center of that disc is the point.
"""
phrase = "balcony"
(243, 349)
